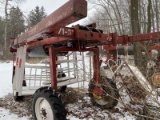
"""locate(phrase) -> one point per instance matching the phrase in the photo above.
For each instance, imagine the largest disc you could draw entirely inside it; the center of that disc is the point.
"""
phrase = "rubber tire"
(62, 89)
(55, 102)
(109, 87)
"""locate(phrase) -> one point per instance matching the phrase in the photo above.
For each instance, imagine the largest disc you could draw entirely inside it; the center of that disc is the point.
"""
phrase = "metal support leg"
(96, 66)
(53, 66)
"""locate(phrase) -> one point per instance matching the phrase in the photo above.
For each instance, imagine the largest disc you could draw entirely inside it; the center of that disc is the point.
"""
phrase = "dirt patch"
(21, 108)
(76, 102)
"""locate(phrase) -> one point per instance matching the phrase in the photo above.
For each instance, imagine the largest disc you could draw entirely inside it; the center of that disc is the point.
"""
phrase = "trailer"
(61, 45)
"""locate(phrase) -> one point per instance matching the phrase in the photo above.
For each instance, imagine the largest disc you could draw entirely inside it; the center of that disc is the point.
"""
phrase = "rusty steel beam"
(110, 49)
(134, 38)
(144, 37)
(47, 41)
(64, 34)
(70, 12)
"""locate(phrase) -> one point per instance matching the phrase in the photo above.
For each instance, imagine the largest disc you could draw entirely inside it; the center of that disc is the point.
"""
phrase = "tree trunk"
(136, 30)
(116, 16)
(157, 14)
(140, 17)
(120, 16)
(134, 17)
(144, 19)
(108, 13)
(153, 16)
(149, 16)
(5, 28)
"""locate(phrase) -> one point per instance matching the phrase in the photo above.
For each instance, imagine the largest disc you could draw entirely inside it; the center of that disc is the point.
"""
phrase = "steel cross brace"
(53, 66)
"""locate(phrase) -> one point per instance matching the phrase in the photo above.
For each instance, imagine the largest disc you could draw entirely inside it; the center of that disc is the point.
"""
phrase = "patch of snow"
(5, 89)
(6, 115)
(80, 110)
(6, 78)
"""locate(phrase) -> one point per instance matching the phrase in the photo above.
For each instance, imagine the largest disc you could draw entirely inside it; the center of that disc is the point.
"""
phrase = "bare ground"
(77, 104)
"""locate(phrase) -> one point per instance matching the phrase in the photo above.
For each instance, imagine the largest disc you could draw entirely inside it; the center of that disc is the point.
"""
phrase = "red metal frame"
(52, 30)
(110, 48)
(70, 12)
(53, 65)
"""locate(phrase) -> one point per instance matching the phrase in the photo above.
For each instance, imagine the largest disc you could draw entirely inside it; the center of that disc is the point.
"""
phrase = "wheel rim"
(43, 109)
(101, 102)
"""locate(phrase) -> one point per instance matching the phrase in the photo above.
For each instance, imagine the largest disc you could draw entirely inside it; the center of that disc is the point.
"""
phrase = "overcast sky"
(28, 5)
(49, 5)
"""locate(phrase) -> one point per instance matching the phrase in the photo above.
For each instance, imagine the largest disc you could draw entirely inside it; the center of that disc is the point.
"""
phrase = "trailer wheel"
(61, 74)
(47, 105)
(62, 89)
(107, 101)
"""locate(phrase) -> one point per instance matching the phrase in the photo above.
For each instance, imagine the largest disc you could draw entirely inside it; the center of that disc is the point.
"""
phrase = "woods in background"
(128, 17)
(14, 23)
(121, 16)
(116, 15)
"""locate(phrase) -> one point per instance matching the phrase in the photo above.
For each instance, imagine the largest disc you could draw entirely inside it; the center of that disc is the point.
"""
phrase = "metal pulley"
(121, 50)
(156, 79)
(40, 51)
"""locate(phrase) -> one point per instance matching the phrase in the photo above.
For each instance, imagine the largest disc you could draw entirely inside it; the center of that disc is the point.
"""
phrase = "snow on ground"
(5, 89)
(80, 109)
(5, 78)
(6, 115)
(75, 109)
